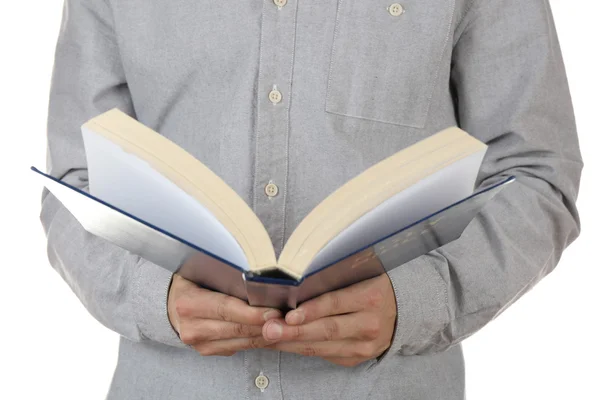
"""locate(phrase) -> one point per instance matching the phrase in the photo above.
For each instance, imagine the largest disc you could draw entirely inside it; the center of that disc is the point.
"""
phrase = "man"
(286, 100)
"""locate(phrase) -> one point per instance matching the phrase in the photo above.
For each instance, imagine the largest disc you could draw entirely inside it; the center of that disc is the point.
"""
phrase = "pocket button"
(396, 9)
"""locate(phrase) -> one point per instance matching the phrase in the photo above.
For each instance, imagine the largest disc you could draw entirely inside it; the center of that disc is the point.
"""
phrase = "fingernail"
(271, 314)
(295, 317)
(274, 331)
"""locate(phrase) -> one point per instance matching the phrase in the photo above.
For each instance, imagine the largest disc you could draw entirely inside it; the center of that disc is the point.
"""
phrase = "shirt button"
(280, 3)
(261, 382)
(271, 190)
(275, 96)
(396, 9)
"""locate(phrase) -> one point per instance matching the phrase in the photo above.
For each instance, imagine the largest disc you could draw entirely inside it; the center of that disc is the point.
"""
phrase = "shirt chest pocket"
(386, 57)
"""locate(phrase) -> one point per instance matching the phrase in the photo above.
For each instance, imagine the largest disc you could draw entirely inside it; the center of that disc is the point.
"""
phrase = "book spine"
(280, 295)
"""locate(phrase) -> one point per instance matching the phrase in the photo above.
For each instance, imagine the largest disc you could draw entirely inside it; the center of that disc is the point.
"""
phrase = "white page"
(427, 196)
(131, 184)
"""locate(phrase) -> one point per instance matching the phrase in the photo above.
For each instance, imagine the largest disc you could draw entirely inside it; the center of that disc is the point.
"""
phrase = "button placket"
(273, 96)
(272, 122)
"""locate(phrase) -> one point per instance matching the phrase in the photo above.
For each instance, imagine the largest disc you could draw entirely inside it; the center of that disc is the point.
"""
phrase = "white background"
(544, 347)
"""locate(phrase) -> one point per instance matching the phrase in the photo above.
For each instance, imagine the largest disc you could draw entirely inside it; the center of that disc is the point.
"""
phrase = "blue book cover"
(274, 288)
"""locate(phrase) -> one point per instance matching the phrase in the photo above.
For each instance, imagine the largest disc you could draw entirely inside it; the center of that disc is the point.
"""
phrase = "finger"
(340, 349)
(193, 331)
(351, 299)
(221, 347)
(207, 304)
(348, 326)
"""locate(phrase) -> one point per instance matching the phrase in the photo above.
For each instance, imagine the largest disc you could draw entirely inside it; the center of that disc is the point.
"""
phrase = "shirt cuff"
(422, 307)
(150, 294)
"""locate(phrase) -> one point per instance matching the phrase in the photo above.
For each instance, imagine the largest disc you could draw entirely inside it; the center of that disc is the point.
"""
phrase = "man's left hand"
(346, 326)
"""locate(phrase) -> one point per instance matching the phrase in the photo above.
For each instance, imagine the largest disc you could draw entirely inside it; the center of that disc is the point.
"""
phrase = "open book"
(153, 198)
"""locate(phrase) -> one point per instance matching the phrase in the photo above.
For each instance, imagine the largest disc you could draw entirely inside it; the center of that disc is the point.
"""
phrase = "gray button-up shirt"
(304, 95)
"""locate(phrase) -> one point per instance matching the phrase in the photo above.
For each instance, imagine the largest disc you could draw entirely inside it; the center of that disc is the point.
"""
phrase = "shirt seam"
(432, 82)
(465, 13)
(248, 376)
(115, 40)
(459, 25)
(473, 8)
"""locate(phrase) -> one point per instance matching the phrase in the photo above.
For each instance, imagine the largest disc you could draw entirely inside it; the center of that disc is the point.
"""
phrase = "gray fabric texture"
(357, 84)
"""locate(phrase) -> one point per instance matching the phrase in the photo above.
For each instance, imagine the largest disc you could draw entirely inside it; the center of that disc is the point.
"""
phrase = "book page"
(429, 195)
(125, 181)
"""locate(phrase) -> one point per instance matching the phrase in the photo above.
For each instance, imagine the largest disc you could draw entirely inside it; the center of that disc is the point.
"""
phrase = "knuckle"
(375, 298)
(372, 329)
(332, 330)
(240, 330)
(297, 332)
(335, 301)
(187, 336)
(255, 343)
(223, 309)
(308, 351)
(182, 307)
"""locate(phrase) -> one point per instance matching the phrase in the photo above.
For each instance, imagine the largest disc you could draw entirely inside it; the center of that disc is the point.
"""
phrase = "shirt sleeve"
(511, 92)
(125, 293)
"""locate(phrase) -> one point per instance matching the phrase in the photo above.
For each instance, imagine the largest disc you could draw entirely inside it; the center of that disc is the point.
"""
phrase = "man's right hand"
(214, 323)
